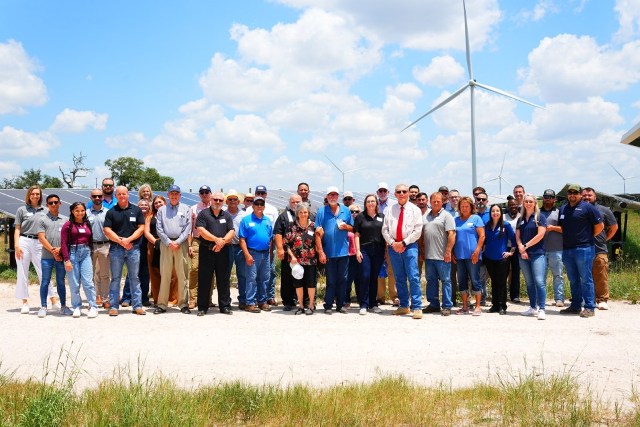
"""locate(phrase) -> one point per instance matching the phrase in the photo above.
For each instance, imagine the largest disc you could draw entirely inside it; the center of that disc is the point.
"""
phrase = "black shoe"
(494, 309)
(201, 313)
(146, 303)
(159, 310)
(226, 310)
(502, 311)
(287, 308)
(185, 310)
(299, 311)
(430, 309)
(570, 310)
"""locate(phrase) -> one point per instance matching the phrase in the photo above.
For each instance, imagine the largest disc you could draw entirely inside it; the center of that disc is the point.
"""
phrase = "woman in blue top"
(498, 234)
(530, 231)
(467, 253)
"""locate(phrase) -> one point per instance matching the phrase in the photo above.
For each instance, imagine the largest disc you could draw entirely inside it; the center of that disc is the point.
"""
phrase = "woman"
(467, 253)
(499, 237)
(145, 193)
(530, 240)
(28, 249)
(153, 254)
(300, 245)
(370, 248)
(76, 237)
(353, 261)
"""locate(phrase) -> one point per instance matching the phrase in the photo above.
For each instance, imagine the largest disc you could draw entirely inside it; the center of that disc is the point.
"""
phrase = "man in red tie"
(401, 230)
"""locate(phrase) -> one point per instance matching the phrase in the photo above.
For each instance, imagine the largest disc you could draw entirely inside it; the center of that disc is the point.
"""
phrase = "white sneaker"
(76, 312)
(559, 303)
(603, 305)
(541, 315)
(530, 312)
(56, 306)
(65, 311)
(24, 309)
(363, 311)
(93, 312)
(377, 310)
(42, 312)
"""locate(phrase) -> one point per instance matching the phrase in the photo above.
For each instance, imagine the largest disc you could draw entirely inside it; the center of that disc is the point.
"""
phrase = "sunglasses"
(96, 196)
(258, 204)
(481, 199)
(355, 212)
(548, 197)
(261, 192)
(572, 192)
(53, 203)
(205, 192)
(248, 200)
(232, 199)
(107, 185)
(402, 191)
(218, 200)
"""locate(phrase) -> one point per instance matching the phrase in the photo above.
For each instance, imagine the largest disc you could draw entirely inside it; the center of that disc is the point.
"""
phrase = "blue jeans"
(118, 256)
(405, 267)
(47, 268)
(435, 270)
(81, 272)
(352, 278)
(236, 256)
(578, 262)
(534, 271)
(258, 276)
(336, 271)
(554, 262)
(467, 269)
(368, 269)
(271, 285)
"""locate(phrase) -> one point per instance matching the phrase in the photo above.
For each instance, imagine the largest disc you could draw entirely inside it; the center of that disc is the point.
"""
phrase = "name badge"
(470, 224)
(223, 221)
(310, 233)
(378, 219)
(132, 219)
(59, 228)
(562, 216)
(82, 230)
(29, 214)
(252, 224)
(180, 214)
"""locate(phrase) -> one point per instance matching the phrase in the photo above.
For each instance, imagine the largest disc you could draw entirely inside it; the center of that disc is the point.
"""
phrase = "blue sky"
(234, 94)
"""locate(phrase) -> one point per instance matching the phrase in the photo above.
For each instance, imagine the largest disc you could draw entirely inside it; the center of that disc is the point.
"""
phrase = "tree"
(32, 177)
(132, 173)
(79, 170)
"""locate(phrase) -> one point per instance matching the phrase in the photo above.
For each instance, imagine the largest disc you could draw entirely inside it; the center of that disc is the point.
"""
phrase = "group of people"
(176, 254)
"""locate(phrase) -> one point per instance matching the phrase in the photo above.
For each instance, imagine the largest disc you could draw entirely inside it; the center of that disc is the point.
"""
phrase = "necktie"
(399, 229)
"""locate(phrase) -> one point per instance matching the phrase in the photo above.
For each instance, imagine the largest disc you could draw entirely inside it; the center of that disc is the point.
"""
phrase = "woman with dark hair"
(498, 234)
(370, 248)
(75, 237)
(300, 244)
(468, 253)
(153, 253)
(28, 249)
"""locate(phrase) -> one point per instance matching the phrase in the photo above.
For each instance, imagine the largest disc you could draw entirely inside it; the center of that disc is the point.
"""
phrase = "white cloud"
(125, 141)
(629, 20)
(18, 143)
(441, 71)
(19, 85)
(9, 169)
(73, 121)
(540, 10)
(569, 68)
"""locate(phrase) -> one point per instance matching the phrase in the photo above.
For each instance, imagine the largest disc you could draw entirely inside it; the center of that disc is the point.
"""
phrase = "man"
(580, 222)
(247, 201)
(282, 226)
(123, 225)
(303, 192)
(386, 272)
(333, 223)
(48, 231)
(552, 242)
(413, 193)
(518, 194)
(511, 216)
(347, 198)
(601, 262)
(422, 202)
(401, 229)
(439, 234)
(215, 228)
(452, 205)
(235, 251)
(482, 200)
(256, 233)
(174, 226)
(194, 244)
(100, 253)
(108, 201)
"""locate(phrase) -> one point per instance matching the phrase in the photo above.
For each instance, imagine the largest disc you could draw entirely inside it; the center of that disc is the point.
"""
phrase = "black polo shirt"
(124, 221)
(370, 229)
(219, 225)
(577, 224)
(284, 222)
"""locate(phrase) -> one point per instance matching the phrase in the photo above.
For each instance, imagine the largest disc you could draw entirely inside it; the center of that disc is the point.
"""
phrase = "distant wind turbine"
(341, 171)
(624, 179)
(471, 84)
(499, 177)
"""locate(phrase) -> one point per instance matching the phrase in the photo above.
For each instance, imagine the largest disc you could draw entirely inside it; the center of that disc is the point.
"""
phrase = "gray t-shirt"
(51, 227)
(28, 218)
(96, 219)
(552, 239)
(434, 232)
(609, 219)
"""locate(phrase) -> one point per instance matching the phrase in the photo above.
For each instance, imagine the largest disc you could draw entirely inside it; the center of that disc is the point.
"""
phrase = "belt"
(29, 236)
(257, 250)
(101, 242)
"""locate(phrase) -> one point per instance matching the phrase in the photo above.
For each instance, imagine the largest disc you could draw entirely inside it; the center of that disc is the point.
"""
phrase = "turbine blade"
(356, 169)
(506, 181)
(617, 171)
(443, 103)
(502, 167)
(334, 165)
(466, 37)
(507, 94)
(493, 179)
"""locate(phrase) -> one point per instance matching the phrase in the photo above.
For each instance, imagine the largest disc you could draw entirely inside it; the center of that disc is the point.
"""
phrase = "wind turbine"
(341, 171)
(499, 177)
(624, 179)
(471, 84)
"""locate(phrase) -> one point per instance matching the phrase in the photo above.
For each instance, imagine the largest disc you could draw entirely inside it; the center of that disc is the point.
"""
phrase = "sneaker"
(602, 305)
(42, 312)
(431, 309)
(377, 310)
(264, 306)
(417, 314)
(125, 303)
(76, 312)
(541, 315)
(401, 310)
(66, 311)
(113, 312)
(559, 303)
(587, 313)
(515, 300)
(363, 311)
(56, 306)
(328, 311)
(93, 312)
(570, 310)
(445, 312)
(24, 309)
(530, 312)
(343, 310)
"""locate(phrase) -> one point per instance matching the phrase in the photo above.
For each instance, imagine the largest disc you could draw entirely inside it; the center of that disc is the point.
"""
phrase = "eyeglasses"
(402, 191)
(481, 199)
(205, 192)
(107, 185)
(232, 199)
(355, 212)
(53, 203)
(96, 196)
(218, 200)
(572, 192)
(348, 198)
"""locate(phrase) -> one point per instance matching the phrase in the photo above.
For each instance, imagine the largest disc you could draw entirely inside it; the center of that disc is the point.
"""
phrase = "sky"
(237, 94)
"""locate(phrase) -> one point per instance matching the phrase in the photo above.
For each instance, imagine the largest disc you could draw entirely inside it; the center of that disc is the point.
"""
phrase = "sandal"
(308, 311)
(476, 312)
(299, 311)
(463, 311)
(396, 302)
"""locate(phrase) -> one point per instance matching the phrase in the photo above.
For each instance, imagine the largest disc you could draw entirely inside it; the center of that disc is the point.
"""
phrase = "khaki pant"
(601, 277)
(169, 260)
(193, 275)
(101, 269)
(154, 279)
(382, 291)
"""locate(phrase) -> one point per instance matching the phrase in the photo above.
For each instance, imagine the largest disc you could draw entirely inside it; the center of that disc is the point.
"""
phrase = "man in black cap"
(194, 243)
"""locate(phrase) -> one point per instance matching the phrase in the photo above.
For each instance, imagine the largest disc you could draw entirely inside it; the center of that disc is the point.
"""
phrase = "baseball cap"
(444, 188)
(347, 194)
(574, 187)
(173, 188)
(332, 189)
(204, 188)
(549, 193)
(382, 185)
(261, 189)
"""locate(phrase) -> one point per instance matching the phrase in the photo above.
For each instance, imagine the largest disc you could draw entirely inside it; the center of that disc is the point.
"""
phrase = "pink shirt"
(80, 235)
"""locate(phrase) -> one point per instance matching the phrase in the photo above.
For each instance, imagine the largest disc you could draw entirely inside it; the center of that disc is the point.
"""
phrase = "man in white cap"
(194, 243)
(235, 251)
(348, 199)
(386, 272)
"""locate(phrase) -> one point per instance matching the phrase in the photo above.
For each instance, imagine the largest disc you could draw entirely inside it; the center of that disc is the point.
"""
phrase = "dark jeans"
(336, 270)
(143, 276)
(514, 283)
(211, 263)
(48, 264)
(352, 277)
(368, 270)
(287, 292)
(498, 271)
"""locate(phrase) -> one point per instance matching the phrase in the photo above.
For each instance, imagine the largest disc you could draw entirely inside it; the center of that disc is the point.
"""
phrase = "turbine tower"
(499, 177)
(624, 179)
(341, 171)
(471, 84)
